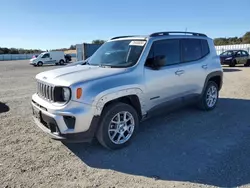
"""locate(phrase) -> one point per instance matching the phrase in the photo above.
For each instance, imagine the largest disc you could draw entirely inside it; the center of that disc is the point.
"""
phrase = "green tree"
(246, 38)
(98, 41)
(72, 47)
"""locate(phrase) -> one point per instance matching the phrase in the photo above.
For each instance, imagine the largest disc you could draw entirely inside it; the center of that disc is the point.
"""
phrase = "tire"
(203, 103)
(105, 134)
(233, 63)
(39, 64)
(61, 62)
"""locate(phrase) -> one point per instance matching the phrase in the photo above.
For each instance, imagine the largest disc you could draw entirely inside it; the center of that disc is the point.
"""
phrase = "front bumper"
(52, 120)
(32, 63)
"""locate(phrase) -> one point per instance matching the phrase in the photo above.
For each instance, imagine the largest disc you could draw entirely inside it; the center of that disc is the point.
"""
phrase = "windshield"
(228, 53)
(122, 53)
(40, 55)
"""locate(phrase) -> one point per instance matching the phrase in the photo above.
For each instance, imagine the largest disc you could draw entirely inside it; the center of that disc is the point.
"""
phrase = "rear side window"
(204, 47)
(191, 50)
(244, 53)
(169, 49)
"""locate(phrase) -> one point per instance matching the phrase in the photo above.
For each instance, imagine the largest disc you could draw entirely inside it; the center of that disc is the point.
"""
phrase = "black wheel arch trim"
(211, 75)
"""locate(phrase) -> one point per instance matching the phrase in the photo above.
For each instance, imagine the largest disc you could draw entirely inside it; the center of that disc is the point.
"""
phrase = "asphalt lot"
(186, 148)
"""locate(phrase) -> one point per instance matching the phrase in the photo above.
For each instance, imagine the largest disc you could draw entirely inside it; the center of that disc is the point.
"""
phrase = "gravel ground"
(186, 148)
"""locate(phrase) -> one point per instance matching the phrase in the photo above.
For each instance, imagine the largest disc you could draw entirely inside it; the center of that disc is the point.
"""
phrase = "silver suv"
(124, 82)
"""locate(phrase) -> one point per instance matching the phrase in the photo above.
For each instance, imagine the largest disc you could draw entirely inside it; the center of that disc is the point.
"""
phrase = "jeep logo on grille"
(44, 77)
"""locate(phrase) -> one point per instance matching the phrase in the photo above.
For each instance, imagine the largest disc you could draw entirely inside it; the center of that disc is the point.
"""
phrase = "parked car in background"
(67, 58)
(48, 58)
(127, 80)
(234, 57)
(35, 56)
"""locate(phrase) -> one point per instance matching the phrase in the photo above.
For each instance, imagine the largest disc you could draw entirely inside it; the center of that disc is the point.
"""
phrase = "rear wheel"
(40, 64)
(119, 123)
(232, 63)
(209, 98)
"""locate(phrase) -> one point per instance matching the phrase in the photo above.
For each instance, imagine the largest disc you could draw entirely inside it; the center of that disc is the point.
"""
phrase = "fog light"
(69, 121)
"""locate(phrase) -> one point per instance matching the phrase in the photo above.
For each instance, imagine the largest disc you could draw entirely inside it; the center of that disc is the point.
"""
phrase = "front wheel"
(232, 63)
(61, 62)
(119, 123)
(39, 64)
(209, 98)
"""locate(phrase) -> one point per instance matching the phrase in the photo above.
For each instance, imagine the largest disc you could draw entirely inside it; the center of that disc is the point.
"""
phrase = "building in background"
(85, 50)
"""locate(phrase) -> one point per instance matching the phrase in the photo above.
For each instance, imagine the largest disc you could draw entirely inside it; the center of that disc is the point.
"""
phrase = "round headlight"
(66, 94)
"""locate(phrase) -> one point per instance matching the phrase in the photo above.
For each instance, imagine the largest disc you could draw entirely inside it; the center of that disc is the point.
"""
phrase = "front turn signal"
(78, 93)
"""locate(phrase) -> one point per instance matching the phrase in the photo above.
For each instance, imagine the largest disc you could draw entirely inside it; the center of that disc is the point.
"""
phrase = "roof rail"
(176, 32)
(122, 37)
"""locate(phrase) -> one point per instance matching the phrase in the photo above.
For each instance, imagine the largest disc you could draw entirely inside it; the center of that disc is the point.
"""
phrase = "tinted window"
(191, 49)
(204, 47)
(228, 53)
(238, 53)
(45, 56)
(168, 48)
(244, 53)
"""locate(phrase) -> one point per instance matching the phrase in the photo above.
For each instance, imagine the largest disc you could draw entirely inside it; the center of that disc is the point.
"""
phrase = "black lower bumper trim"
(86, 136)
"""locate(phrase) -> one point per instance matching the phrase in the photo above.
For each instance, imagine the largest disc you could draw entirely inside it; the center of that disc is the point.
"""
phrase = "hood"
(226, 55)
(67, 76)
(32, 59)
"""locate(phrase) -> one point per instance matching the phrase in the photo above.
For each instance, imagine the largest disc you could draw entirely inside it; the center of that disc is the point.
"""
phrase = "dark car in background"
(67, 58)
(234, 57)
(35, 56)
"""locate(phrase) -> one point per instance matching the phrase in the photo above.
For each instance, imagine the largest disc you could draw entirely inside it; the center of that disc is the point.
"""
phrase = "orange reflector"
(78, 93)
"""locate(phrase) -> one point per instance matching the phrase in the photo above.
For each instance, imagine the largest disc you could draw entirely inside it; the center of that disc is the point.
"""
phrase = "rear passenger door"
(194, 63)
(239, 57)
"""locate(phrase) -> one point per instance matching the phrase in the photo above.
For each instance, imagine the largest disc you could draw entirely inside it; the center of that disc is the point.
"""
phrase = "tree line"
(4, 50)
(73, 47)
(245, 39)
(19, 51)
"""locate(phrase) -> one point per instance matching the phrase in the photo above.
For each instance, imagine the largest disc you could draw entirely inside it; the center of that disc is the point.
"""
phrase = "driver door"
(164, 85)
(46, 58)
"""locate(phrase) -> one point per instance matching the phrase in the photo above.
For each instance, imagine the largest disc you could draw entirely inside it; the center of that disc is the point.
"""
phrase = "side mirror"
(159, 61)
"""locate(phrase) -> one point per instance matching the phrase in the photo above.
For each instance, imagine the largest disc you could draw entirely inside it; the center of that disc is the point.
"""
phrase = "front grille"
(45, 91)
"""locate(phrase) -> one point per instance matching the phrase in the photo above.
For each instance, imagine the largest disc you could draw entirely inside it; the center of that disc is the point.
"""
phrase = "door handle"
(179, 72)
(204, 66)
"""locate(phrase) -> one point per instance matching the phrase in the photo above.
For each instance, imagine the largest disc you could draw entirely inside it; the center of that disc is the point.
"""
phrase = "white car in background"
(48, 58)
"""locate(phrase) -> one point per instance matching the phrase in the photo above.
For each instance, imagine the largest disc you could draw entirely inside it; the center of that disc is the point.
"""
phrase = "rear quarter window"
(204, 47)
(191, 50)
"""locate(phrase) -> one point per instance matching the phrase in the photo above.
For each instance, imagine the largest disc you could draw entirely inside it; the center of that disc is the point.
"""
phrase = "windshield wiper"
(85, 63)
(105, 66)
